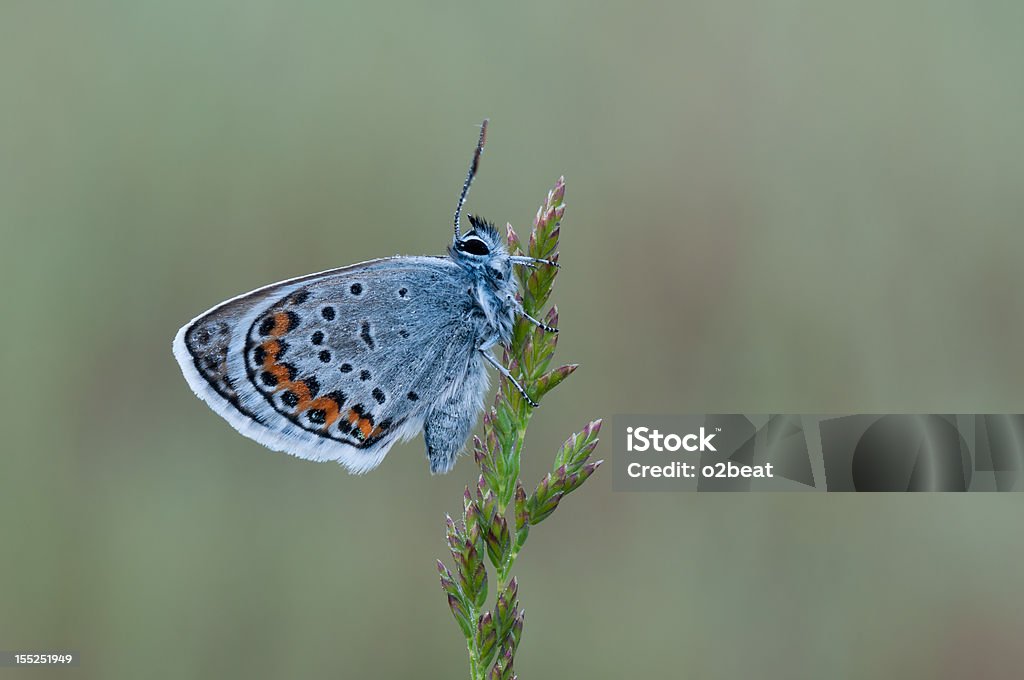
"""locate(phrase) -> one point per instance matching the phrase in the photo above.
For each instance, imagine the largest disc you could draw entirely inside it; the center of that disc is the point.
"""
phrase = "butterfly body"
(342, 364)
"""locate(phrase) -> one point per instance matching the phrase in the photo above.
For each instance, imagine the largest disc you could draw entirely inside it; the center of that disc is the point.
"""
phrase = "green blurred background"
(773, 207)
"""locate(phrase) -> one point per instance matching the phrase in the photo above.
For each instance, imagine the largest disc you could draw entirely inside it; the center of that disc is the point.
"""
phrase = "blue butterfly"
(341, 364)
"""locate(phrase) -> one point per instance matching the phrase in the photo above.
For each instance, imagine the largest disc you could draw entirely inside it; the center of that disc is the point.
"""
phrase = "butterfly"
(342, 364)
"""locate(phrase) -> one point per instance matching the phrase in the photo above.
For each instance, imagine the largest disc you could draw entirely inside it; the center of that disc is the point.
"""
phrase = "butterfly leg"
(531, 262)
(508, 376)
(518, 307)
(449, 421)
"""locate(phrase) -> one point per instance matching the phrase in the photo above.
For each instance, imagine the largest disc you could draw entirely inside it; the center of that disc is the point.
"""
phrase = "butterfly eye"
(473, 246)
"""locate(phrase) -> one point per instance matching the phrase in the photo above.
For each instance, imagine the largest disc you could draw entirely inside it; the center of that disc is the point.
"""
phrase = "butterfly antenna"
(469, 176)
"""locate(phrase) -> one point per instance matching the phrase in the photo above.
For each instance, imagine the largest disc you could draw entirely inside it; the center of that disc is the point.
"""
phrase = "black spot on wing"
(364, 333)
(337, 396)
(293, 321)
(291, 371)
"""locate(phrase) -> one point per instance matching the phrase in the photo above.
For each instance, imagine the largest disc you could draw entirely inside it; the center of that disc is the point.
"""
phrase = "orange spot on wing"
(329, 406)
(365, 428)
(302, 392)
(270, 348)
(270, 365)
(282, 376)
(282, 324)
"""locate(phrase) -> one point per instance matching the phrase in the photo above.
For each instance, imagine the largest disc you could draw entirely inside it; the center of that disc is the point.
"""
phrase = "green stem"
(476, 669)
(474, 663)
(506, 567)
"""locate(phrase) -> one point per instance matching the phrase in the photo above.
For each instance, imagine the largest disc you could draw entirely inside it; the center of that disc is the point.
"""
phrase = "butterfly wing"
(337, 365)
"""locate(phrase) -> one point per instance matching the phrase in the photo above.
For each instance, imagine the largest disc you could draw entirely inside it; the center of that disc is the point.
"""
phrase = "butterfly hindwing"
(338, 365)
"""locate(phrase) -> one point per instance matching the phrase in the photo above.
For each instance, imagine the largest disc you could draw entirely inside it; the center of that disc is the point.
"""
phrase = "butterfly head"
(482, 250)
